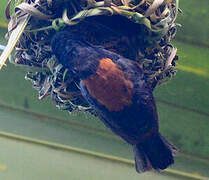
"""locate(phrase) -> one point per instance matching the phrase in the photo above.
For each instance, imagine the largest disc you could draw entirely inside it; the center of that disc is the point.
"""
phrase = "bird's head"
(75, 54)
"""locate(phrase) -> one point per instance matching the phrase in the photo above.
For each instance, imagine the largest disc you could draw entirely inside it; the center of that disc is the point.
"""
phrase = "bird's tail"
(154, 152)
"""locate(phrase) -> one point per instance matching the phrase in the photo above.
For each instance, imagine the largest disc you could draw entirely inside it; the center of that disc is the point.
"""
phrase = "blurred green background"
(183, 103)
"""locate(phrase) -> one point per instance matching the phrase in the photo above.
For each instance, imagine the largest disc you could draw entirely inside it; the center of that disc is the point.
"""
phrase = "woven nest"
(140, 30)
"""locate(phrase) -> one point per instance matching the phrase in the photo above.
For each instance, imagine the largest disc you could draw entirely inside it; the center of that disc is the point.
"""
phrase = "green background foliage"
(183, 99)
(182, 103)
(195, 22)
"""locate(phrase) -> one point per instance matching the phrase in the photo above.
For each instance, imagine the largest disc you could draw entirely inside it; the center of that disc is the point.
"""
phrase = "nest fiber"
(140, 30)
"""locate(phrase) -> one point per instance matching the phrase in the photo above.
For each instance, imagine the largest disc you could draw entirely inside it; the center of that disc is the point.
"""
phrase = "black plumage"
(118, 91)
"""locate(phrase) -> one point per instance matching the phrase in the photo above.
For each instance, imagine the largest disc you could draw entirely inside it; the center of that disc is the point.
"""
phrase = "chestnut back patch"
(110, 86)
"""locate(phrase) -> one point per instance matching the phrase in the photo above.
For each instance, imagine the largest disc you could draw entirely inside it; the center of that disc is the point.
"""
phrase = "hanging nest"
(140, 30)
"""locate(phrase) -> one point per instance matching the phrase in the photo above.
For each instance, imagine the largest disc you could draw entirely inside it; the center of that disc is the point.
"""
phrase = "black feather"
(136, 123)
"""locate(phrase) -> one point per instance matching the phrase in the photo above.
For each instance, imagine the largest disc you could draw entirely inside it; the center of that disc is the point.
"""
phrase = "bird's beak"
(14, 37)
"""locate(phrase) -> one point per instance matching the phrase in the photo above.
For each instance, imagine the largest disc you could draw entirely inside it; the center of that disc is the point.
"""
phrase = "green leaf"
(14, 37)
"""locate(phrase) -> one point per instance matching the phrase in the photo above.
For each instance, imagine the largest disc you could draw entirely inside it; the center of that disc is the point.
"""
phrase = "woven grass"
(140, 30)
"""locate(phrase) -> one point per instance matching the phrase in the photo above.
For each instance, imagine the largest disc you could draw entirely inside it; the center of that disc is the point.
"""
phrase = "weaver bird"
(118, 91)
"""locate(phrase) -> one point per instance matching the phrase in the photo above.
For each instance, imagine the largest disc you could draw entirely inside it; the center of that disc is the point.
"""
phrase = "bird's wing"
(137, 121)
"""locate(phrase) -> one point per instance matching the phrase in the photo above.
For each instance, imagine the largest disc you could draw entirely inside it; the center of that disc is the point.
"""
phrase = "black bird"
(118, 91)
